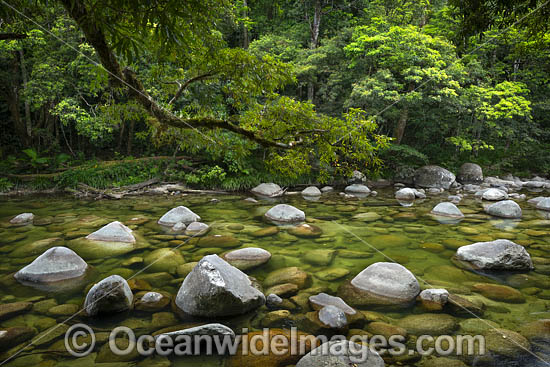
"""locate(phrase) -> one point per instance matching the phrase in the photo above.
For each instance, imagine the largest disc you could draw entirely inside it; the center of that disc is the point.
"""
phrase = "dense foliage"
(256, 90)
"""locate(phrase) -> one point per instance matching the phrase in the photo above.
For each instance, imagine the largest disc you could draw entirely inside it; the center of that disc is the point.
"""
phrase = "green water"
(407, 235)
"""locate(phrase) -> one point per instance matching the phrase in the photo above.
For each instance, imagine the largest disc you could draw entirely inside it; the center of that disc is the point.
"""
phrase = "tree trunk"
(130, 137)
(246, 40)
(13, 103)
(314, 42)
(24, 75)
(401, 125)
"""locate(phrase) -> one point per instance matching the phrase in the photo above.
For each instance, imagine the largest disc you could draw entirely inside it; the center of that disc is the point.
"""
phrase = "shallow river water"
(348, 244)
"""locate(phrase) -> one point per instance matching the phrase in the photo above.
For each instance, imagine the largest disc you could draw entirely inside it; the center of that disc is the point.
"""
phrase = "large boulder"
(177, 215)
(494, 195)
(544, 204)
(54, 265)
(214, 288)
(111, 295)
(357, 189)
(285, 213)
(447, 209)
(311, 191)
(470, 173)
(113, 232)
(384, 283)
(496, 255)
(433, 177)
(504, 209)
(247, 258)
(341, 353)
(269, 190)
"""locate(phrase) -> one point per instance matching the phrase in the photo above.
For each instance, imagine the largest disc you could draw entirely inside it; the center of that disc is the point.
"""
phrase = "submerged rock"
(287, 275)
(56, 264)
(433, 177)
(429, 324)
(197, 229)
(333, 317)
(208, 329)
(214, 288)
(357, 189)
(544, 204)
(9, 310)
(306, 230)
(470, 173)
(501, 293)
(506, 343)
(113, 232)
(434, 299)
(496, 255)
(247, 258)
(339, 354)
(164, 259)
(385, 283)
(285, 213)
(22, 219)
(178, 214)
(322, 300)
(111, 295)
(504, 209)
(269, 190)
(447, 209)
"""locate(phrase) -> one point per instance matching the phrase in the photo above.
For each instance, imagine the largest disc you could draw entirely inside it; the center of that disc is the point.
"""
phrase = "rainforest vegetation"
(227, 94)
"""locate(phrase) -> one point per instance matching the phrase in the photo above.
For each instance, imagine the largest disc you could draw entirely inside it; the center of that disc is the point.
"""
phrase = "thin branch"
(183, 86)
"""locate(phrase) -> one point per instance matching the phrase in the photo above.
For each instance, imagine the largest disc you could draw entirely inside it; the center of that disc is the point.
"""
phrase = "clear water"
(407, 235)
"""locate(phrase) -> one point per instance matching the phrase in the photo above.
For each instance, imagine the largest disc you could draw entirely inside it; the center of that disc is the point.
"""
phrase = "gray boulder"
(341, 353)
(113, 232)
(544, 204)
(322, 300)
(504, 209)
(56, 264)
(470, 173)
(496, 255)
(196, 228)
(214, 329)
(178, 214)
(311, 191)
(535, 201)
(433, 177)
(494, 195)
(111, 295)
(247, 258)
(269, 190)
(357, 189)
(327, 189)
(447, 209)
(405, 194)
(333, 317)
(285, 213)
(22, 219)
(214, 288)
(386, 283)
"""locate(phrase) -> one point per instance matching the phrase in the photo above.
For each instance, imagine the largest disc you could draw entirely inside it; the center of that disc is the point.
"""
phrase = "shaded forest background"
(449, 82)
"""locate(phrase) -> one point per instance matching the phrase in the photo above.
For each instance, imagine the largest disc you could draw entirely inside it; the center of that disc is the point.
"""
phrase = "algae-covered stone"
(9, 310)
(506, 343)
(429, 324)
(216, 241)
(499, 292)
(264, 232)
(164, 259)
(306, 231)
(319, 257)
(292, 275)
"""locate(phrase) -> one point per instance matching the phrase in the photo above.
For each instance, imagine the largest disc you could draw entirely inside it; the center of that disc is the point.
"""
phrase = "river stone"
(433, 177)
(447, 209)
(113, 232)
(388, 240)
(111, 295)
(504, 209)
(331, 274)
(270, 190)
(287, 275)
(496, 255)
(405, 194)
(494, 195)
(333, 317)
(322, 300)
(429, 324)
(22, 219)
(306, 231)
(497, 292)
(214, 288)
(544, 204)
(385, 329)
(273, 301)
(327, 189)
(538, 330)
(474, 326)
(357, 189)
(178, 214)
(367, 217)
(152, 302)
(9, 310)
(56, 264)
(179, 227)
(321, 257)
(283, 290)
(196, 229)
(247, 258)
(215, 241)
(434, 299)
(13, 336)
(163, 259)
(470, 173)
(341, 353)
(387, 283)
(506, 343)
(285, 213)
(311, 191)
(214, 329)
(264, 232)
